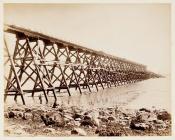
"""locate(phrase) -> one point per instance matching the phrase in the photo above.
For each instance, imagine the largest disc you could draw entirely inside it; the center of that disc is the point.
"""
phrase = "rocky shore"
(45, 120)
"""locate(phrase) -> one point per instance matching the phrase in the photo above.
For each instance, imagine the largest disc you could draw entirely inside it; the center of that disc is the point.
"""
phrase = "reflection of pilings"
(50, 65)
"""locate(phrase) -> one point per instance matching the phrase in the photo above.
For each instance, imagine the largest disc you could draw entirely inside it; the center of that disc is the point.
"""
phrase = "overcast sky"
(138, 32)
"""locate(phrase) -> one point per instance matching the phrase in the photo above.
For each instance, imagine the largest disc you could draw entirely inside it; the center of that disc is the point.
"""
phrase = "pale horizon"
(137, 32)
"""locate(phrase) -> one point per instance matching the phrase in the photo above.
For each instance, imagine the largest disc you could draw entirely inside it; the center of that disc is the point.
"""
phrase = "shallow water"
(149, 93)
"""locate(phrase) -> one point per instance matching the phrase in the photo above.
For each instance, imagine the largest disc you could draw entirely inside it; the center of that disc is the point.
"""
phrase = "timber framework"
(40, 63)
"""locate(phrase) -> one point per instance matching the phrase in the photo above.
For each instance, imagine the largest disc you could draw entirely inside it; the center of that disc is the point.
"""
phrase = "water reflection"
(153, 92)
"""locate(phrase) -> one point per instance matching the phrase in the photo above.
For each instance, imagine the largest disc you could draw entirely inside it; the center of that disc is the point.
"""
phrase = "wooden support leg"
(63, 81)
(73, 70)
(20, 91)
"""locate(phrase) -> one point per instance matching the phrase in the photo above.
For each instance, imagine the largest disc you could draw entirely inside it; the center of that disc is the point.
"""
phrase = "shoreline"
(47, 120)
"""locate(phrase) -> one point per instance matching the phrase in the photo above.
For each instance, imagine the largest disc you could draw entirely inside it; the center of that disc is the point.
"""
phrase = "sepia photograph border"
(171, 2)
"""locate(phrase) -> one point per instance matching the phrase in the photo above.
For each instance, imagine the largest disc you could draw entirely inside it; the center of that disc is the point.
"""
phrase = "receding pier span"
(41, 63)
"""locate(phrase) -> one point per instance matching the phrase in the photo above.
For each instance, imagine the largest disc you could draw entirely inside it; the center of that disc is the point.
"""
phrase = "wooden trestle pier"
(40, 63)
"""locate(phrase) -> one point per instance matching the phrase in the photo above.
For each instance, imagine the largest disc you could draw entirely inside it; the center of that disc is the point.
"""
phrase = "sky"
(138, 32)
